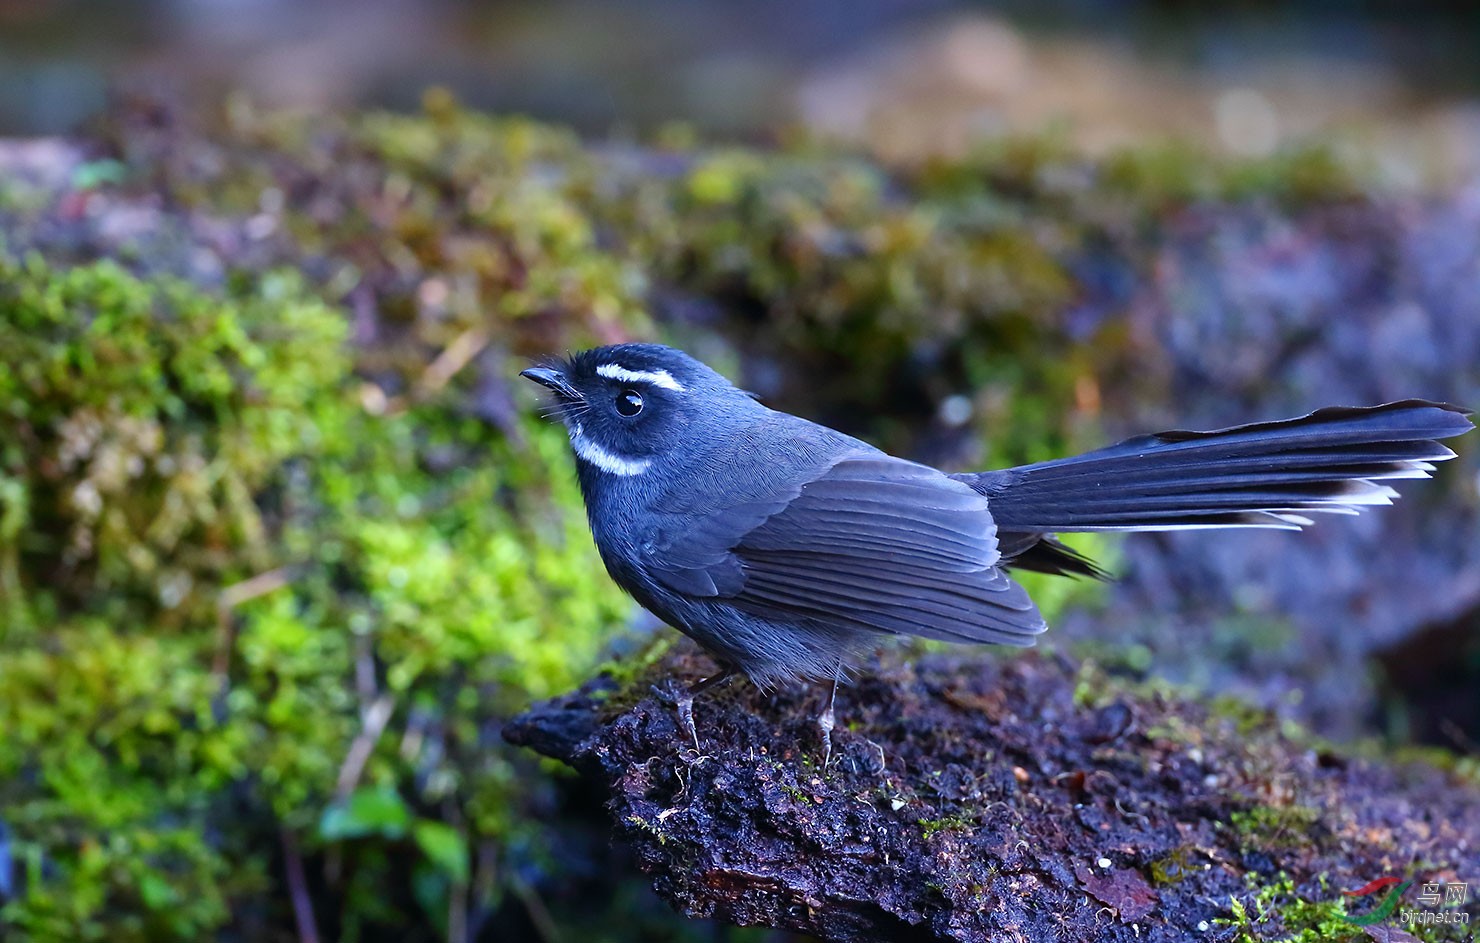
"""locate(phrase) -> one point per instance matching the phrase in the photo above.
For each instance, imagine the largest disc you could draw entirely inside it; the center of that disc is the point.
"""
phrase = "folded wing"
(872, 543)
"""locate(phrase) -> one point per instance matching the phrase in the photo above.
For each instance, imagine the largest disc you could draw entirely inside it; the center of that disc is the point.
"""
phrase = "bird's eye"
(629, 402)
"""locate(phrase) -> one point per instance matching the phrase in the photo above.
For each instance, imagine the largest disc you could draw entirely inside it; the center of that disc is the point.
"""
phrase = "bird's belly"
(768, 650)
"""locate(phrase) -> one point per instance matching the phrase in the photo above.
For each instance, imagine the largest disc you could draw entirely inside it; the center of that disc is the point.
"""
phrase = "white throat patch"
(615, 371)
(588, 451)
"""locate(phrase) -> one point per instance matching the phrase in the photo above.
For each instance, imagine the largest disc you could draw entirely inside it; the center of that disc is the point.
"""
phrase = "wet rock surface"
(986, 798)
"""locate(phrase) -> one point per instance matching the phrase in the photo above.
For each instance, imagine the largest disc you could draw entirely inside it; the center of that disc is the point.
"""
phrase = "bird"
(788, 549)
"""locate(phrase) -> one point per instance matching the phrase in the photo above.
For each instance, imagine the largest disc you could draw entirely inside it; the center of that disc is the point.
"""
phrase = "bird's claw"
(685, 708)
(681, 699)
(825, 724)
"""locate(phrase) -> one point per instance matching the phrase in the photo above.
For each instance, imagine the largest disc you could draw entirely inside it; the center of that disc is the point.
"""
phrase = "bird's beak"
(553, 380)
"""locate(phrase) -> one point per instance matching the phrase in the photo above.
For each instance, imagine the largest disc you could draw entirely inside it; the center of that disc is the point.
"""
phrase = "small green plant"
(1174, 868)
(1276, 911)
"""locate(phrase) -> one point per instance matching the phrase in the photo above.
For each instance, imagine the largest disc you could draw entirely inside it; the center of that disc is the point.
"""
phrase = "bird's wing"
(871, 542)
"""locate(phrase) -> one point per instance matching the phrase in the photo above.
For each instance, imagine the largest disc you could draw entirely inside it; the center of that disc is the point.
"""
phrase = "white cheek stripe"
(588, 451)
(615, 371)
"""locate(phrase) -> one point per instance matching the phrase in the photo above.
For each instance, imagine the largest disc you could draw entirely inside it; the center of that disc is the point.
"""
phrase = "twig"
(1457, 736)
(482, 887)
(233, 596)
(376, 716)
(438, 374)
(365, 685)
(457, 913)
(308, 931)
(539, 914)
(451, 360)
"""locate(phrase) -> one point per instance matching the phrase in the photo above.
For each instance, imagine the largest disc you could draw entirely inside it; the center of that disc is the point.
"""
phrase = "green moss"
(1274, 827)
(950, 823)
(137, 420)
(1276, 911)
(848, 271)
(1179, 172)
(1463, 767)
(219, 568)
(1245, 717)
(1174, 868)
(649, 827)
(111, 765)
(1096, 685)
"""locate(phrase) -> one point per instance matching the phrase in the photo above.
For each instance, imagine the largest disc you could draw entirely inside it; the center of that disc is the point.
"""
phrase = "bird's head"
(629, 407)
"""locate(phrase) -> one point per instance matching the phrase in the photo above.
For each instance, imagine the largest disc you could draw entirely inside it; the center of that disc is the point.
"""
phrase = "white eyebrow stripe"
(588, 451)
(615, 371)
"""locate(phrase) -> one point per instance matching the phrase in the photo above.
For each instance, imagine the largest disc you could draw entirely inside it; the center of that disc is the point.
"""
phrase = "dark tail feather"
(1267, 474)
(1043, 554)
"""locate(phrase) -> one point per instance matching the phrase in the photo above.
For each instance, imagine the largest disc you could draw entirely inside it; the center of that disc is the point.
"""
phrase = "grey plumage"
(785, 547)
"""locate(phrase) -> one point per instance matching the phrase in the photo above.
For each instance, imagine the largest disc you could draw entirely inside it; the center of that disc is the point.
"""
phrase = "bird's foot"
(682, 700)
(825, 724)
(667, 692)
(685, 707)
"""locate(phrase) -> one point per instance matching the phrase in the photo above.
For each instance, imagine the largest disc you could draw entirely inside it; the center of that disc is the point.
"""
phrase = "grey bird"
(788, 549)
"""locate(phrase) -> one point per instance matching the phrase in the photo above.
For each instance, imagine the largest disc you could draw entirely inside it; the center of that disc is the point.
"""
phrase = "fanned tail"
(1266, 474)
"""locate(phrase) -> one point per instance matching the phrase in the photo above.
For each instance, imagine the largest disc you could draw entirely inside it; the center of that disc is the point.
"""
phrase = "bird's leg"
(826, 722)
(685, 706)
(684, 702)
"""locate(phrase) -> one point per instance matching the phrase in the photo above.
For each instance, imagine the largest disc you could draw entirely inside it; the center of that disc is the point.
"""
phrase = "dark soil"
(999, 798)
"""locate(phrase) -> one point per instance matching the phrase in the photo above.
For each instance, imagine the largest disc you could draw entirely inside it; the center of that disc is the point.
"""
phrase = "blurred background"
(283, 541)
(907, 77)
